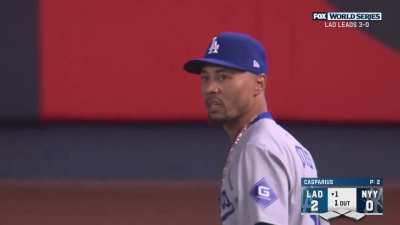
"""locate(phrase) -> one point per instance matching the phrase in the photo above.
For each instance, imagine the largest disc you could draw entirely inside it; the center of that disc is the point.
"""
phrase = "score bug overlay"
(333, 197)
(347, 19)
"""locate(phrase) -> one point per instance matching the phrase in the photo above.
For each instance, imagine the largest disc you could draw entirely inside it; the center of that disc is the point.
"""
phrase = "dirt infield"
(190, 203)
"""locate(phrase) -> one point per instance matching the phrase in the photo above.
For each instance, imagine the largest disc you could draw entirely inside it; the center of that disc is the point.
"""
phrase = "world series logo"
(347, 19)
(330, 198)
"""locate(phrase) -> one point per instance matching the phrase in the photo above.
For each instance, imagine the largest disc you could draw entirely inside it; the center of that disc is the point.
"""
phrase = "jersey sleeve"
(263, 187)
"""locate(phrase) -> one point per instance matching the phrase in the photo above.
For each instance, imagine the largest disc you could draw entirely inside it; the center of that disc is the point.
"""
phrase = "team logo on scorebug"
(347, 19)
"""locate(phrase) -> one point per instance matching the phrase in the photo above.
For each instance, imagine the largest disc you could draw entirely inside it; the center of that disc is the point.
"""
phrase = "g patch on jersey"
(263, 194)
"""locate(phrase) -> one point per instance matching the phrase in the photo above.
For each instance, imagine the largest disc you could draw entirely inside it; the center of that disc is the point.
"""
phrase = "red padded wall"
(122, 60)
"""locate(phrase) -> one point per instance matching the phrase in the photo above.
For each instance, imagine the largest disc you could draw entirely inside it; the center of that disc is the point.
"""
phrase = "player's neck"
(235, 127)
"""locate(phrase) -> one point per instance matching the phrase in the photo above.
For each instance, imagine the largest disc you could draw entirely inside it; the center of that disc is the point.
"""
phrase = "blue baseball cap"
(232, 50)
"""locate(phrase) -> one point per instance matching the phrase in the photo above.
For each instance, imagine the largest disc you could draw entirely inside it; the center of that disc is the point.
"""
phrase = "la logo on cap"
(214, 46)
(256, 64)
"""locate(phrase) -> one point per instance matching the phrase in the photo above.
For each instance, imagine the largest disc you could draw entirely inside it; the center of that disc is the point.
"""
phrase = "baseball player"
(262, 177)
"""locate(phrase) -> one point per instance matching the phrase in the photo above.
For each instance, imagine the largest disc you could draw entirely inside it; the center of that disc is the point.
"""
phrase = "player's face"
(227, 93)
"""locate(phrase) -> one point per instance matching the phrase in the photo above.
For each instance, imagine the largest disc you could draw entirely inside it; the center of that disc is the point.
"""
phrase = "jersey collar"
(263, 115)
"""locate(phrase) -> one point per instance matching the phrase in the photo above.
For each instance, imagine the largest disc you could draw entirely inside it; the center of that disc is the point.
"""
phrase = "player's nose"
(211, 87)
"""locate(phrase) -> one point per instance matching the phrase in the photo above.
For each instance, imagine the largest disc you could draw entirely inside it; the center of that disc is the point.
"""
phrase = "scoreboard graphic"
(330, 197)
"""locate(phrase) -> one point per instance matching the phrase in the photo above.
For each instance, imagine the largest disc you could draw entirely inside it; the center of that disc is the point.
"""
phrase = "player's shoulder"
(271, 140)
(271, 136)
(279, 143)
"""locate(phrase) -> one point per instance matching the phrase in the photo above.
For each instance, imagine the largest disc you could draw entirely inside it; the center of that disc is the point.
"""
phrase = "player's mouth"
(214, 104)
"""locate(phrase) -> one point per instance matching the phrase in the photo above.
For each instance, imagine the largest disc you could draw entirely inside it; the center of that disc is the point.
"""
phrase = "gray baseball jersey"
(262, 177)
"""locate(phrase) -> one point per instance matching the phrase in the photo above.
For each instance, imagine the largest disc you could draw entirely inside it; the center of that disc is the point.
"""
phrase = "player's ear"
(260, 84)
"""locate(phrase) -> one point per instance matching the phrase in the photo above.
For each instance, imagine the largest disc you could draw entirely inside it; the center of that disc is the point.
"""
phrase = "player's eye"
(222, 77)
(204, 78)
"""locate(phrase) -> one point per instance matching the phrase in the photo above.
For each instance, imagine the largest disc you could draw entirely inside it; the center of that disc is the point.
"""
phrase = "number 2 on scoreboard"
(314, 205)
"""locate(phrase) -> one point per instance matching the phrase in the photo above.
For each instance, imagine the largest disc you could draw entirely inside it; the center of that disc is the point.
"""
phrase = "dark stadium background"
(99, 124)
